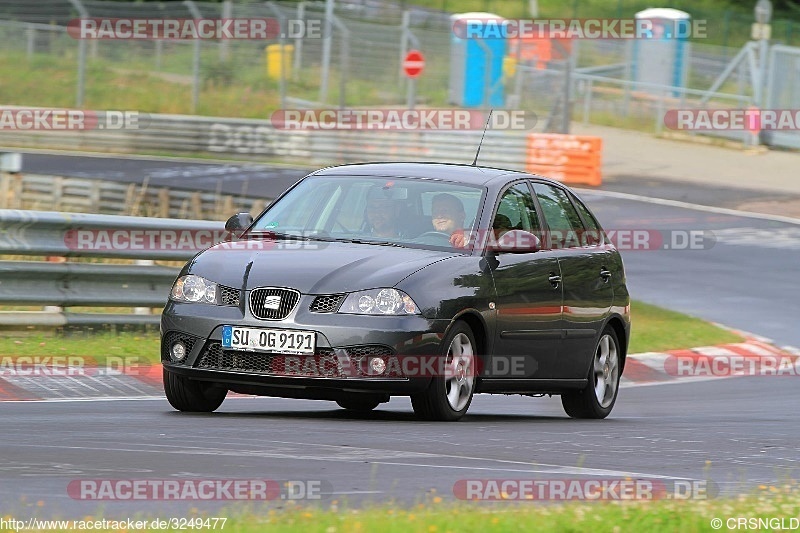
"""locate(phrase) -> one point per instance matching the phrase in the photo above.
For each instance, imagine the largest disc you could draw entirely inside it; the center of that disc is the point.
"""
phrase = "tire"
(192, 396)
(361, 405)
(598, 398)
(448, 397)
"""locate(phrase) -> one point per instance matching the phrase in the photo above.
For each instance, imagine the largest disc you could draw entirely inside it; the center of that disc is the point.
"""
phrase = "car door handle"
(605, 274)
(554, 279)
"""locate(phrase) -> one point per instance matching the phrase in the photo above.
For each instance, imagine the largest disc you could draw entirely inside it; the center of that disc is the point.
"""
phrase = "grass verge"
(769, 508)
(654, 329)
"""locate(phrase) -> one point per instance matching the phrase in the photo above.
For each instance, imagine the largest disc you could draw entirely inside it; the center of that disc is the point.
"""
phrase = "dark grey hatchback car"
(427, 280)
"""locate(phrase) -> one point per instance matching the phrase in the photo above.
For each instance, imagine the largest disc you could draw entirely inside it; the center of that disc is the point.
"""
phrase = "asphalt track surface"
(739, 432)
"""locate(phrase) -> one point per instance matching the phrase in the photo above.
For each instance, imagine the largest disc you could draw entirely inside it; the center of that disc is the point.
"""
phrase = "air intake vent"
(328, 303)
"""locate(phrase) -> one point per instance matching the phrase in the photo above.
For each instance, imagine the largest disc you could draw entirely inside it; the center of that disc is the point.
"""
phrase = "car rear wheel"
(358, 404)
(449, 396)
(192, 396)
(598, 398)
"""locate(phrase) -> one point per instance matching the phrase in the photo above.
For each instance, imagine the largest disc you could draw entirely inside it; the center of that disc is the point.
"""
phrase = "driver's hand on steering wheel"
(458, 239)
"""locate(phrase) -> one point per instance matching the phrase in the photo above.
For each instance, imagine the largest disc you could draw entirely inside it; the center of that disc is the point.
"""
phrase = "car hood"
(310, 267)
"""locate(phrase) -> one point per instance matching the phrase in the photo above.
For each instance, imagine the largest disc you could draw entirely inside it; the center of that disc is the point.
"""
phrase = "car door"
(584, 262)
(528, 303)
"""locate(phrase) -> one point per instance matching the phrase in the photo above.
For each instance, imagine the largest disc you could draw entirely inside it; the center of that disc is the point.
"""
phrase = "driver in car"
(382, 216)
(447, 216)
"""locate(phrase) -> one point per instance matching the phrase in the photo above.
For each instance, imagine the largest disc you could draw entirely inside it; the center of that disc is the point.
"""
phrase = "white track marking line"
(687, 205)
(533, 467)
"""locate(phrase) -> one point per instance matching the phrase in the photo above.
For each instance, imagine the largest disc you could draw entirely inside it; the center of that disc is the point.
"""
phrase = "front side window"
(406, 212)
(516, 211)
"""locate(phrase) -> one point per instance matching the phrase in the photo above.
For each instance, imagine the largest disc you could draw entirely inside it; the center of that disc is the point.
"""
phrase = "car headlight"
(379, 302)
(193, 288)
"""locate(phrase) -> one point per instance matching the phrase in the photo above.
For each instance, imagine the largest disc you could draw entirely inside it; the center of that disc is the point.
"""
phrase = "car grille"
(171, 338)
(258, 297)
(324, 363)
(229, 295)
(328, 303)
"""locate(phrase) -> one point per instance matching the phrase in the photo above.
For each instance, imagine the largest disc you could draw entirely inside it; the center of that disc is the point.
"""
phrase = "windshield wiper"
(281, 236)
(366, 241)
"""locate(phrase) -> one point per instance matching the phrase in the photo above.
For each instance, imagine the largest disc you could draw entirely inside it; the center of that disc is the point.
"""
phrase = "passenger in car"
(447, 216)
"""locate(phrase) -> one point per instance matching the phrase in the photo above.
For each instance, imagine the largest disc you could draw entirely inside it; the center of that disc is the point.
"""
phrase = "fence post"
(195, 58)
(298, 43)
(30, 32)
(81, 56)
(282, 47)
(159, 47)
(224, 44)
(163, 202)
(587, 101)
(326, 51)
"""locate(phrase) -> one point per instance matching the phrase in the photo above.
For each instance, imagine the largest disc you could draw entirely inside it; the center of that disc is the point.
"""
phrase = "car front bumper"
(338, 337)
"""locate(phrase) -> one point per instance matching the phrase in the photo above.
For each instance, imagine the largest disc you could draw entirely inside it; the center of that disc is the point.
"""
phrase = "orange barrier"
(566, 158)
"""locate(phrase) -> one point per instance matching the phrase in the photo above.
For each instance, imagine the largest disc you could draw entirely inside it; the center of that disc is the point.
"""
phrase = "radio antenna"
(475, 161)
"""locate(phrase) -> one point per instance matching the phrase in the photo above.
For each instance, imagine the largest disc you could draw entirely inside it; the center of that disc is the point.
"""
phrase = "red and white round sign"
(413, 64)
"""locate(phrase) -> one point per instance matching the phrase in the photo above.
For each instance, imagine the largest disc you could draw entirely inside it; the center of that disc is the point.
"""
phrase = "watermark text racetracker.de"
(215, 29)
(402, 119)
(42, 119)
(196, 489)
(70, 365)
(486, 27)
(702, 366)
(189, 240)
(753, 120)
(606, 489)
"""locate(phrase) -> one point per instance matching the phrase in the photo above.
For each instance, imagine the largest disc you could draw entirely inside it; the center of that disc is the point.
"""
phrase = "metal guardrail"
(65, 284)
(259, 138)
(34, 191)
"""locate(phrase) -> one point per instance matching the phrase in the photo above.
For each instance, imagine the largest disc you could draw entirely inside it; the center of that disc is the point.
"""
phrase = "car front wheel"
(448, 397)
(192, 396)
(598, 398)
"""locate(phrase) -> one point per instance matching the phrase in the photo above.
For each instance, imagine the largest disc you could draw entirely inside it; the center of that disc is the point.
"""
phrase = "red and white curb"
(755, 356)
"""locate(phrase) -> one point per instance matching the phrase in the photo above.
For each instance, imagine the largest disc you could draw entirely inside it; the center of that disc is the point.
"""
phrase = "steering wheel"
(437, 237)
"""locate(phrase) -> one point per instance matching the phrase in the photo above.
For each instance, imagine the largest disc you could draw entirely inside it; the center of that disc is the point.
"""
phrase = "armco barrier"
(572, 159)
(259, 139)
(66, 284)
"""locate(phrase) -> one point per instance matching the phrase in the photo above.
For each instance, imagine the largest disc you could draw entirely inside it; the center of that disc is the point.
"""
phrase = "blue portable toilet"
(662, 59)
(477, 50)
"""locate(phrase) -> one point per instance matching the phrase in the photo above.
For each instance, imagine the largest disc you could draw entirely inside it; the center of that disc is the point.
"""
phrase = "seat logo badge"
(272, 302)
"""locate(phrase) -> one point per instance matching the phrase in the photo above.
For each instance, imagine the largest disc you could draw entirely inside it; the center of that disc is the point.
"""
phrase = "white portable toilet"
(662, 59)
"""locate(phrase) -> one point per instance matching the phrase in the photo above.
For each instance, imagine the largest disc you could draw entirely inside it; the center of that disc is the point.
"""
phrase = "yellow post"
(279, 60)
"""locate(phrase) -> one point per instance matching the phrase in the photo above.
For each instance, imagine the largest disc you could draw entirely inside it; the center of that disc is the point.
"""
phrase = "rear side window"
(594, 233)
(563, 220)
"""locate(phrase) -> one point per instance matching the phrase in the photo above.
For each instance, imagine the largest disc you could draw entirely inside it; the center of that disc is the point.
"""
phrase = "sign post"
(413, 65)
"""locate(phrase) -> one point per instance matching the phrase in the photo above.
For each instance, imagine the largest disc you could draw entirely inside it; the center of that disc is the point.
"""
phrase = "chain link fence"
(590, 80)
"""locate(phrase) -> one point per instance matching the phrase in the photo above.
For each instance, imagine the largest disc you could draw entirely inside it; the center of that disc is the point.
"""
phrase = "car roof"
(468, 174)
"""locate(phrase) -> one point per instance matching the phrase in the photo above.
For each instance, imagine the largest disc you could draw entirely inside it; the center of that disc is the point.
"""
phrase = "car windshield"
(405, 212)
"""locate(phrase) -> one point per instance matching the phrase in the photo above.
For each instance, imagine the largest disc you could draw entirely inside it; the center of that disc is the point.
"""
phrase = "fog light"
(377, 365)
(178, 351)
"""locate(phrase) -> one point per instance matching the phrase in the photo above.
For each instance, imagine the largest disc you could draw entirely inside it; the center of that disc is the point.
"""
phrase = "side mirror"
(517, 241)
(238, 222)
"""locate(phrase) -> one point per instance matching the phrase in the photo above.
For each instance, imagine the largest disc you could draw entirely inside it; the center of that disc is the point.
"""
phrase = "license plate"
(269, 340)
